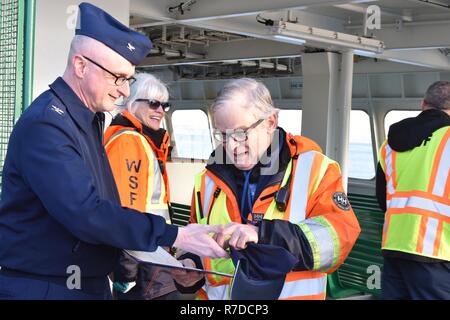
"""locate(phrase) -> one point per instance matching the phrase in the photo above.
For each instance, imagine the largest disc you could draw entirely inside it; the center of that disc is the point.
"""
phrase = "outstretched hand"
(196, 238)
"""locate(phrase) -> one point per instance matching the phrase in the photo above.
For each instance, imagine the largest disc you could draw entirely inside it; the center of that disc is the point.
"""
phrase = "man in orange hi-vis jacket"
(272, 189)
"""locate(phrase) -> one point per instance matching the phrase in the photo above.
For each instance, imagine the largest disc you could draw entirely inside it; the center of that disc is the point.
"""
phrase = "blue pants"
(26, 288)
(411, 280)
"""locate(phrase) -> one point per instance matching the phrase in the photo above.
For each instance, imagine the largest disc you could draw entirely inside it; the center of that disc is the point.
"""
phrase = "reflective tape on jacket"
(320, 233)
(300, 187)
(311, 288)
(297, 289)
(323, 240)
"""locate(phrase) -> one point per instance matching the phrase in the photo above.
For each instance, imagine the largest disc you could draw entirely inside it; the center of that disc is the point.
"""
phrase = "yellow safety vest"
(417, 219)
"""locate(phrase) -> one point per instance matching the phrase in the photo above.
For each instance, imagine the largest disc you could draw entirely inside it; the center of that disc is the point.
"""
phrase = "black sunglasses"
(154, 104)
(120, 80)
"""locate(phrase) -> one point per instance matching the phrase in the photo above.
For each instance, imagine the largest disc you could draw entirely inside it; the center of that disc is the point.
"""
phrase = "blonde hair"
(249, 94)
(146, 86)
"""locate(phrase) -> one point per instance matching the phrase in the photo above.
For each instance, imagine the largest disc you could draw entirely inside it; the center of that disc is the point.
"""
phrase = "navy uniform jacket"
(60, 205)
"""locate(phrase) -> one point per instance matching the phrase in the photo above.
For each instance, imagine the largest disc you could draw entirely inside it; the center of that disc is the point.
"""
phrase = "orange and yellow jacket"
(317, 224)
(138, 164)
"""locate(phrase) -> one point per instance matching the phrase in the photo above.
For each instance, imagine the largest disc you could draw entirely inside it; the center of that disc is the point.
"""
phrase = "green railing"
(16, 64)
(361, 271)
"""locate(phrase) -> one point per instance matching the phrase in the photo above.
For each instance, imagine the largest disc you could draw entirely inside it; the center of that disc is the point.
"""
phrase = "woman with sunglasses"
(137, 149)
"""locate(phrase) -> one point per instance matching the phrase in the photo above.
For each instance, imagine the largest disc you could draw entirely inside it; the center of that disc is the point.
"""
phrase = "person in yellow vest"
(413, 187)
(137, 149)
(270, 188)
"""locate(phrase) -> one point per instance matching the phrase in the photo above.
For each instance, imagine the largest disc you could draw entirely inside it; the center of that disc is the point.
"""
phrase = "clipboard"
(162, 258)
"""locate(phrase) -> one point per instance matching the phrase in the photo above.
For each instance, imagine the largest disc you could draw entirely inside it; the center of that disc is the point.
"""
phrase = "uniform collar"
(77, 109)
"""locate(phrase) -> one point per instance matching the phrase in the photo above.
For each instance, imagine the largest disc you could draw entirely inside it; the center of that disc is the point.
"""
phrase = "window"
(361, 165)
(191, 133)
(396, 116)
(290, 121)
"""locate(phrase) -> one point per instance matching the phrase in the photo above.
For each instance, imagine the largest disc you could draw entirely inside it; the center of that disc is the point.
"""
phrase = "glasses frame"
(120, 80)
(225, 136)
(152, 102)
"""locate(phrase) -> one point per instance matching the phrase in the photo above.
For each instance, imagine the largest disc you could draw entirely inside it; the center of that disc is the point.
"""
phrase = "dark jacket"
(403, 136)
(59, 203)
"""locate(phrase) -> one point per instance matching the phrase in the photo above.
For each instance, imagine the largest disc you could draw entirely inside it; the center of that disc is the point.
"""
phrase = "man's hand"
(236, 235)
(195, 238)
(186, 278)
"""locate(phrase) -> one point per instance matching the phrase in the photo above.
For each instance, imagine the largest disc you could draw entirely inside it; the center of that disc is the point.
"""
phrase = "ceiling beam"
(205, 10)
(433, 59)
(414, 35)
(247, 49)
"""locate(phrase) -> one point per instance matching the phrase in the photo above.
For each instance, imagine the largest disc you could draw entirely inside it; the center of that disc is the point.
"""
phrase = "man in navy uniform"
(60, 212)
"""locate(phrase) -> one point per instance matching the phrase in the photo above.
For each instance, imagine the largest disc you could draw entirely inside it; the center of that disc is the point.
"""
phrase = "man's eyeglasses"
(154, 104)
(239, 135)
(120, 80)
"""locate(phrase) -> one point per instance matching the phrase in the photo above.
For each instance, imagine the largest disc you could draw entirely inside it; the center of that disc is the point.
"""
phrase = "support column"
(327, 94)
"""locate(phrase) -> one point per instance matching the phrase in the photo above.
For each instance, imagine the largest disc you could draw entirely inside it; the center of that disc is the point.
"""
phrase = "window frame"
(169, 122)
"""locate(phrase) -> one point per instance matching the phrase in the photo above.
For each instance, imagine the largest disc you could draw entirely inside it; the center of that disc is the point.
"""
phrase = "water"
(361, 161)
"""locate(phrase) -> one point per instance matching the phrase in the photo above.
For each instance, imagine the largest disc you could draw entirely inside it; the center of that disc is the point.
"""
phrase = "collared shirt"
(60, 206)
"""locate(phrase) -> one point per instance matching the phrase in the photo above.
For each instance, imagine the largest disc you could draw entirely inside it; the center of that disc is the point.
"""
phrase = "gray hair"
(146, 86)
(249, 93)
(80, 45)
(438, 95)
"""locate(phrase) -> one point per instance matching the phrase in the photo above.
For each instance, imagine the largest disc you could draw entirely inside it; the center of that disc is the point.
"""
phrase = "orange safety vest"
(135, 161)
(313, 205)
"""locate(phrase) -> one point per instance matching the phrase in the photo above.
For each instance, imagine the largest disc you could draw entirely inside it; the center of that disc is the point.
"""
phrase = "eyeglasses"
(154, 104)
(120, 80)
(238, 135)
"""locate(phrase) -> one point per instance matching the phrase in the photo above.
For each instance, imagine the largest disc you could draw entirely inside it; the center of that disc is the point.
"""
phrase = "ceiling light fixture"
(323, 38)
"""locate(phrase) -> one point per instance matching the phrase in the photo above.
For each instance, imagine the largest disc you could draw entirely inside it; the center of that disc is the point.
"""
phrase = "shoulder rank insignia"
(57, 110)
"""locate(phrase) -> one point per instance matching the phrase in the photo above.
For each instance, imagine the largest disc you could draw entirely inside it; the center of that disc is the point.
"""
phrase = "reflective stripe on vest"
(389, 170)
(419, 203)
(300, 187)
(155, 200)
(442, 174)
(209, 189)
(304, 287)
(430, 236)
(217, 292)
